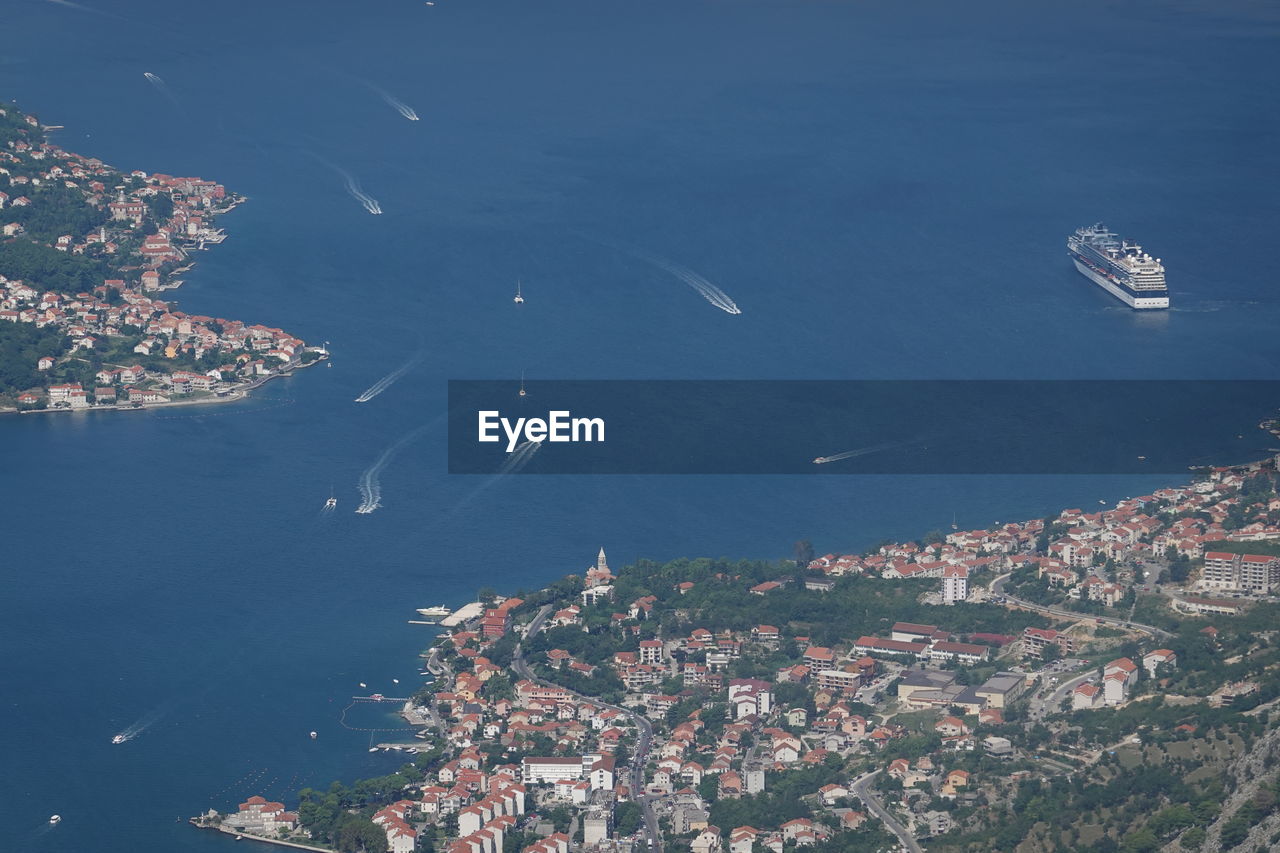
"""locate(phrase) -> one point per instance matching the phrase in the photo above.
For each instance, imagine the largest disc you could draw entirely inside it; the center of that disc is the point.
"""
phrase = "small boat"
(373, 749)
(820, 460)
(437, 612)
(395, 681)
(1142, 459)
(519, 300)
(377, 697)
(314, 735)
(118, 739)
(331, 503)
(362, 684)
(55, 819)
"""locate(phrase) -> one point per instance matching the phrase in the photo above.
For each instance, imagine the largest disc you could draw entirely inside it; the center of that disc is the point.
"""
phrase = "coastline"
(233, 394)
(198, 823)
(98, 286)
(471, 624)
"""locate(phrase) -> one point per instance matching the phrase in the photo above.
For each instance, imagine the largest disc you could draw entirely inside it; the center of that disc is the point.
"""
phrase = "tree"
(359, 835)
(804, 553)
(627, 818)
(1192, 839)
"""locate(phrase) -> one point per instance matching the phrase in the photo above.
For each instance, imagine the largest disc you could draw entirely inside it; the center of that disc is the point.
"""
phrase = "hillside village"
(900, 698)
(86, 253)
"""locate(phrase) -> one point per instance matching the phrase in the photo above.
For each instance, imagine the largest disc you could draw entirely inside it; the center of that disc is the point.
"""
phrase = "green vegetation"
(56, 210)
(45, 268)
(14, 128)
(340, 815)
(21, 346)
(720, 600)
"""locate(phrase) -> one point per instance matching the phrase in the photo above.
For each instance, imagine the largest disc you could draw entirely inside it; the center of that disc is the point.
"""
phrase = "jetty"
(214, 821)
(465, 613)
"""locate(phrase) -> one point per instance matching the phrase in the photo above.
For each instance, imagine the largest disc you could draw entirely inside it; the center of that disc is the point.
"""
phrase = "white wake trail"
(81, 7)
(351, 184)
(700, 285)
(391, 100)
(519, 457)
(861, 451)
(387, 381)
(145, 722)
(709, 291)
(399, 105)
(162, 87)
(357, 192)
(370, 484)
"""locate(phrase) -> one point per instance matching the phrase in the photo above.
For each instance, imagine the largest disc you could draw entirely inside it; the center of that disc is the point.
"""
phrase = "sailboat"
(954, 526)
(519, 300)
(523, 393)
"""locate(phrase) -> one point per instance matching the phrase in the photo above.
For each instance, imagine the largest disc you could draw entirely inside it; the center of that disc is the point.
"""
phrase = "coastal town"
(1093, 680)
(87, 253)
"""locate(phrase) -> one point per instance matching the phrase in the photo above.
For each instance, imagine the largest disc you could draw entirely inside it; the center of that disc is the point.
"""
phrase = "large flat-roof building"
(1241, 572)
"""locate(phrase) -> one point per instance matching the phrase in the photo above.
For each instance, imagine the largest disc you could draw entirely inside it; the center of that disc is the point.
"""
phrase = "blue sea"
(883, 188)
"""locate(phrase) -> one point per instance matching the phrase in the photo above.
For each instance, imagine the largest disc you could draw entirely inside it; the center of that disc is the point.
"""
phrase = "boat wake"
(862, 451)
(351, 185)
(83, 8)
(514, 463)
(370, 484)
(134, 730)
(370, 203)
(519, 457)
(704, 288)
(387, 381)
(161, 87)
(395, 103)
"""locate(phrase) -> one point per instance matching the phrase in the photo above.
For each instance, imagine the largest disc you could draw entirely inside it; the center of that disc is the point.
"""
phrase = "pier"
(463, 614)
(203, 822)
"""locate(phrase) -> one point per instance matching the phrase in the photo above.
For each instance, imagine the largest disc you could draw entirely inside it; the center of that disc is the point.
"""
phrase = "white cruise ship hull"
(1136, 302)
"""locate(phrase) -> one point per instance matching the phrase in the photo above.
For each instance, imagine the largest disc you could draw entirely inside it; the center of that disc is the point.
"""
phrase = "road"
(1040, 707)
(644, 733)
(861, 788)
(997, 588)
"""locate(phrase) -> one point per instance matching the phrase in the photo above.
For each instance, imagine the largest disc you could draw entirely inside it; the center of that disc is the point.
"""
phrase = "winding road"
(644, 737)
(861, 788)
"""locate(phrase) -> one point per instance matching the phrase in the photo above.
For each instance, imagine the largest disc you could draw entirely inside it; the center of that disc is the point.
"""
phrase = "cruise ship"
(1119, 267)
